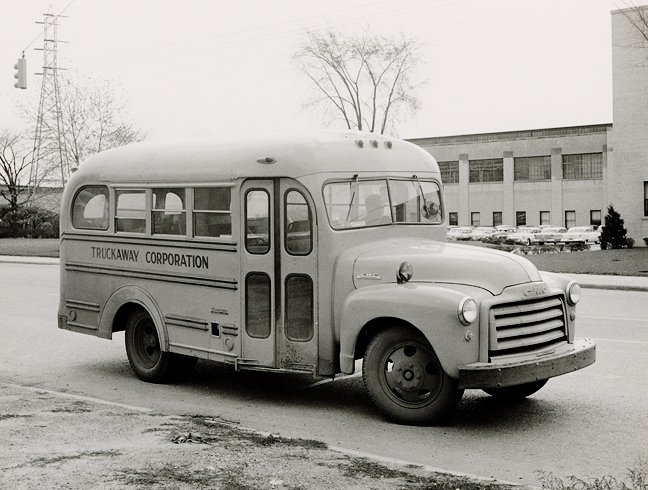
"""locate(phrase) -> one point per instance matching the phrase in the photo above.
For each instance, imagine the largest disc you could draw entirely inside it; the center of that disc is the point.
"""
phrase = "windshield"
(361, 203)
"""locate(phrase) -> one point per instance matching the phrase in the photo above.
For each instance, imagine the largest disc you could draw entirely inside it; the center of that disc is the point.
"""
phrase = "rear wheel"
(404, 378)
(145, 355)
(517, 392)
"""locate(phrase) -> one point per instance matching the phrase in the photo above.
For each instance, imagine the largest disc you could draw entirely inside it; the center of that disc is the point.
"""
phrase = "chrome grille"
(526, 326)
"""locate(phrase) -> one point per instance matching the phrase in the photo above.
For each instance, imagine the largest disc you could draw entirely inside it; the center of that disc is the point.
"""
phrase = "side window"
(299, 308)
(169, 214)
(90, 209)
(299, 227)
(130, 212)
(257, 222)
(212, 212)
(257, 305)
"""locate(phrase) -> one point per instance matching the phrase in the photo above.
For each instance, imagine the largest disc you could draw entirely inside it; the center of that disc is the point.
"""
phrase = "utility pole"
(49, 154)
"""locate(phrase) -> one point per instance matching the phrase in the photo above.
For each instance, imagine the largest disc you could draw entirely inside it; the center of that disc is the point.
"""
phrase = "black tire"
(405, 380)
(145, 354)
(517, 392)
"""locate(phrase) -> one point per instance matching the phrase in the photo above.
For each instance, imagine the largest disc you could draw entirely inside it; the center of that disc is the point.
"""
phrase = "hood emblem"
(370, 275)
(535, 290)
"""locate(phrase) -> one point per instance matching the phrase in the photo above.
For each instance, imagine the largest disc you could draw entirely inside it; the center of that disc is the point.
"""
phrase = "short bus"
(305, 254)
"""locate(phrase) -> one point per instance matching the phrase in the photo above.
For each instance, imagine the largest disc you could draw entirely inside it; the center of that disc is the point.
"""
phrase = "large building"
(560, 176)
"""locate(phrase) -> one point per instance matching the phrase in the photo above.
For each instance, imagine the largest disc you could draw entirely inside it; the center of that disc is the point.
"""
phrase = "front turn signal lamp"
(467, 310)
(573, 293)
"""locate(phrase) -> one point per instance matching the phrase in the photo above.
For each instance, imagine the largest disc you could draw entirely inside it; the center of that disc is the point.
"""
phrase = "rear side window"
(90, 210)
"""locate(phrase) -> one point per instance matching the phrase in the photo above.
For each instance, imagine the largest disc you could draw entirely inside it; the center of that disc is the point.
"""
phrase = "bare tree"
(95, 118)
(15, 162)
(369, 81)
(637, 16)
(92, 117)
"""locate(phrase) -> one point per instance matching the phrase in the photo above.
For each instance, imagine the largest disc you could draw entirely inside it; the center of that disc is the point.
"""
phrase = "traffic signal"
(21, 73)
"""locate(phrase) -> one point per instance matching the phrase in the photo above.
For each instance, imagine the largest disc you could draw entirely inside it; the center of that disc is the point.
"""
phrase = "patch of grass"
(620, 262)
(636, 479)
(30, 247)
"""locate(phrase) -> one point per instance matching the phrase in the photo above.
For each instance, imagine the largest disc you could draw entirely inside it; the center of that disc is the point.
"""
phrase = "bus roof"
(278, 155)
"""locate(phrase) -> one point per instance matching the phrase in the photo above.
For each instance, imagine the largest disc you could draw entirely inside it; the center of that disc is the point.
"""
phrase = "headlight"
(467, 310)
(573, 293)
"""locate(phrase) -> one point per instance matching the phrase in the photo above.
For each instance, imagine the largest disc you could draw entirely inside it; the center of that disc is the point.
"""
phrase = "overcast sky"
(203, 68)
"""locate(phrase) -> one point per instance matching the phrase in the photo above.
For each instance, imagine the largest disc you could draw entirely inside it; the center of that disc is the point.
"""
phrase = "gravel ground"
(53, 440)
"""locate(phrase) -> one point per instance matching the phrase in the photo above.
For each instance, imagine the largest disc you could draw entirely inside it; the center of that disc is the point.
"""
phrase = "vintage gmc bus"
(305, 254)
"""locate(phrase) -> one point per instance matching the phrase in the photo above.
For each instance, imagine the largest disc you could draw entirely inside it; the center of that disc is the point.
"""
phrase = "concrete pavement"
(623, 283)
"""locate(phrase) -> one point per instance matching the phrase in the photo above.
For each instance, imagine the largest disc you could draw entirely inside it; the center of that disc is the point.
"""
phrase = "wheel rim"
(146, 343)
(411, 375)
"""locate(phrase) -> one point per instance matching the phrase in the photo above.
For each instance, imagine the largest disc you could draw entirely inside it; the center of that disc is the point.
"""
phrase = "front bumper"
(510, 372)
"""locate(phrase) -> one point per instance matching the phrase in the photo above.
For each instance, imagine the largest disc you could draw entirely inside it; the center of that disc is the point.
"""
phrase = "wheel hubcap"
(411, 375)
(148, 346)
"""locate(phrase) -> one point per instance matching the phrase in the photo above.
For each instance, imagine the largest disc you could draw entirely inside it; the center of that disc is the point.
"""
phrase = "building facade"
(559, 176)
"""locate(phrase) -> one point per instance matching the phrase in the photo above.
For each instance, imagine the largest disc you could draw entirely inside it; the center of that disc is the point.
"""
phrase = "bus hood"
(439, 262)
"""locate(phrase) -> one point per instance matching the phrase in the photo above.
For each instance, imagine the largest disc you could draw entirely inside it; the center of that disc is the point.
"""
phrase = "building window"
(449, 172)
(520, 218)
(474, 219)
(487, 170)
(453, 219)
(595, 217)
(570, 219)
(645, 198)
(532, 168)
(545, 217)
(497, 218)
(583, 166)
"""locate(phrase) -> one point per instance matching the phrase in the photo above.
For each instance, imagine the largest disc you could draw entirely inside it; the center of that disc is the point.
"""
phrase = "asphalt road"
(589, 423)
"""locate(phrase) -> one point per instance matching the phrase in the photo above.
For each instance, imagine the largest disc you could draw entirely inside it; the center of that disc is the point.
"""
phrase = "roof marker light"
(388, 144)
(374, 143)
(266, 160)
(360, 143)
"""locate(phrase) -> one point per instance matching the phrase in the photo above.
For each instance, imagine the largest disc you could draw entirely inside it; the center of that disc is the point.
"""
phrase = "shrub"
(614, 233)
(630, 242)
(646, 241)
(28, 222)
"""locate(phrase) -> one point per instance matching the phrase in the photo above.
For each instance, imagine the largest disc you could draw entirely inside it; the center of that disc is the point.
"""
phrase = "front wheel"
(404, 378)
(145, 355)
(517, 392)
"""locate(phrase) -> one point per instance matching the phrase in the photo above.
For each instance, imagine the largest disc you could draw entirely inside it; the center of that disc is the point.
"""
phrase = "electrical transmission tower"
(50, 158)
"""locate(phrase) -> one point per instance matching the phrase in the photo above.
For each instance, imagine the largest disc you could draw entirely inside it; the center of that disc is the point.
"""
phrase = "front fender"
(432, 309)
(132, 294)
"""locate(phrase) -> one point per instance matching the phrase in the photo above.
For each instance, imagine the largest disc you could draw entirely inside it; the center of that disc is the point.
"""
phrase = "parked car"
(482, 232)
(582, 234)
(460, 233)
(524, 235)
(550, 234)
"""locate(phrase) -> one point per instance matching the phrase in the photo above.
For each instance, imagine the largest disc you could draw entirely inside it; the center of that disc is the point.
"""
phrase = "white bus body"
(305, 254)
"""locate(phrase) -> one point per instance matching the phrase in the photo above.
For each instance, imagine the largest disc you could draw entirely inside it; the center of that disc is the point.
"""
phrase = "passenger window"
(257, 222)
(130, 214)
(299, 228)
(212, 212)
(169, 215)
(257, 305)
(90, 209)
(299, 308)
